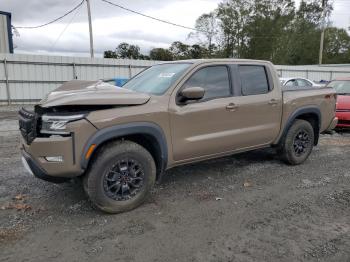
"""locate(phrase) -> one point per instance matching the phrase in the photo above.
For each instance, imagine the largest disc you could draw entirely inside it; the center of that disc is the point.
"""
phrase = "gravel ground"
(247, 207)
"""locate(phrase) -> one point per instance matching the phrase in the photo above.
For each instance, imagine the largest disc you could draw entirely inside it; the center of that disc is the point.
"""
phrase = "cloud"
(39, 11)
(112, 25)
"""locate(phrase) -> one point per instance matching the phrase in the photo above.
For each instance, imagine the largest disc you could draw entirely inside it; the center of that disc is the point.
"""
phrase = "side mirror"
(192, 93)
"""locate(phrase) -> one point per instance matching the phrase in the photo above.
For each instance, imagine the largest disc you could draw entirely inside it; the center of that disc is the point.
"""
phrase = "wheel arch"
(312, 114)
(146, 134)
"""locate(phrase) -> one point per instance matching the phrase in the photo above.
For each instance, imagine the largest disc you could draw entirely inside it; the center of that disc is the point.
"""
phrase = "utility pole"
(322, 32)
(90, 29)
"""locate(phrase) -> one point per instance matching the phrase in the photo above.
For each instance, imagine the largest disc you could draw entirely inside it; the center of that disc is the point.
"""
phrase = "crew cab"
(121, 140)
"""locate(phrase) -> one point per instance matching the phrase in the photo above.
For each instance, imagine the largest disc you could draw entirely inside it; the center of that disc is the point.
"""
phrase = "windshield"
(156, 79)
(341, 87)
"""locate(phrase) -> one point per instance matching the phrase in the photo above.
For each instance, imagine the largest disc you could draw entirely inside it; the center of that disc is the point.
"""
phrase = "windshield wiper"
(343, 94)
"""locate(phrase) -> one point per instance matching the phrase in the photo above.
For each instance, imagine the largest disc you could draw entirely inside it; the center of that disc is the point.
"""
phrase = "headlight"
(57, 124)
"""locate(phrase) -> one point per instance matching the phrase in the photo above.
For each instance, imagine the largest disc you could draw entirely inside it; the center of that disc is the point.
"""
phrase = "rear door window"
(253, 80)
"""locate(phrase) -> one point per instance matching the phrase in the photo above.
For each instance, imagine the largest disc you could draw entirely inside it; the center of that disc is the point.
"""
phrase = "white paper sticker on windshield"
(166, 75)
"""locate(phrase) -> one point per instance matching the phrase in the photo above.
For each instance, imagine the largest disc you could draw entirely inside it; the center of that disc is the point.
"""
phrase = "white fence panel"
(314, 72)
(30, 77)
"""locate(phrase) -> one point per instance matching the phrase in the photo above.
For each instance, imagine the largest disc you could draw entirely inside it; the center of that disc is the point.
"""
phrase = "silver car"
(298, 82)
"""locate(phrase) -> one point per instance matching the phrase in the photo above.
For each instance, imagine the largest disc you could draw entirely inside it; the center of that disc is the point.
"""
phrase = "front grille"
(27, 125)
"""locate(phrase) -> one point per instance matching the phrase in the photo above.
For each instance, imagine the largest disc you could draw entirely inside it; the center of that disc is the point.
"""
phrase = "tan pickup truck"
(120, 140)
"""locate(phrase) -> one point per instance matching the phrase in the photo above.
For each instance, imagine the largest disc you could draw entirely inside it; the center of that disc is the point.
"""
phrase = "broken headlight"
(51, 124)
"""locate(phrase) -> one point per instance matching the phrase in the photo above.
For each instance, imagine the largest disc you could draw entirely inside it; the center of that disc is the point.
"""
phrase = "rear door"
(259, 106)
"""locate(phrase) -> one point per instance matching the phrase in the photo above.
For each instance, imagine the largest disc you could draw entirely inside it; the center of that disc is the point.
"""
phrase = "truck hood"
(78, 92)
(343, 102)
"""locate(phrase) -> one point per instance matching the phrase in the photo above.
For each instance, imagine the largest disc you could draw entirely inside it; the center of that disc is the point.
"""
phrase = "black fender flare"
(135, 128)
(298, 112)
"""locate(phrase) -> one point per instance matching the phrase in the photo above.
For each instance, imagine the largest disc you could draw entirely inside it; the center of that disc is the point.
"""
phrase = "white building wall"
(4, 41)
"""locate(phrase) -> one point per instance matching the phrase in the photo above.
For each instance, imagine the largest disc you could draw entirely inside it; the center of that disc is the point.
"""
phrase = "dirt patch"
(247, 207)
(9, 235)
(342, 198)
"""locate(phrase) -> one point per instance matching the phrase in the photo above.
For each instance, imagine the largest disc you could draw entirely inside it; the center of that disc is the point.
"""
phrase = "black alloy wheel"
(301, 143)
(120, 176)
(124, 180)
(296, 145)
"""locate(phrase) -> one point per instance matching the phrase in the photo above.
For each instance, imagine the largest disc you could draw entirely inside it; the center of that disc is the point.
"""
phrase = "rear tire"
(120, 177)
(297, 143)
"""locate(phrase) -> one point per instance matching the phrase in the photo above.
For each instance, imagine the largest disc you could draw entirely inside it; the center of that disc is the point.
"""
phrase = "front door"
(204, 127)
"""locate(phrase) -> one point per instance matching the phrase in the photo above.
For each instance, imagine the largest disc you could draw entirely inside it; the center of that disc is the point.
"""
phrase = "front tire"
(120, 177)
(298, 142)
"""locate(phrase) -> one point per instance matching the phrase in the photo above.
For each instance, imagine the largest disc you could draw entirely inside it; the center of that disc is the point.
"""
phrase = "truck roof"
(201, 61)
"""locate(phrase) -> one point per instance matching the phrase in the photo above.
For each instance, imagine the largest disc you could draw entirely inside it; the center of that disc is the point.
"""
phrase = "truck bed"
(323, 98)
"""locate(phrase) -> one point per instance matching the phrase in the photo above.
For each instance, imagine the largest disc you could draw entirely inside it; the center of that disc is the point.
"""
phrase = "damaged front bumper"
(54, 158)
(34, 168)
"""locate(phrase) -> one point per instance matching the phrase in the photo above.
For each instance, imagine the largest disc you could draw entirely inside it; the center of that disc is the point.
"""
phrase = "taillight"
(330, 96)
(336, 103)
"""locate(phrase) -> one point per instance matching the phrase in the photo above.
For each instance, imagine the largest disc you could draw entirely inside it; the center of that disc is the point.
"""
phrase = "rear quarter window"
(253, 80)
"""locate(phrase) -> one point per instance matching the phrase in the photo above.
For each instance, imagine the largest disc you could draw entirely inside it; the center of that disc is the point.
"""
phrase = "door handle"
(273, 102)
(231, 107)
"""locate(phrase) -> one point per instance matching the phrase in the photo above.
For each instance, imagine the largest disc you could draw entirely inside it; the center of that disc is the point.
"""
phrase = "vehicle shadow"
(342, 131)
(219, 167)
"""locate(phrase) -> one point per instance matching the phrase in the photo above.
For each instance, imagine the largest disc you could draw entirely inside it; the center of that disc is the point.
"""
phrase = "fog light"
(54, 158)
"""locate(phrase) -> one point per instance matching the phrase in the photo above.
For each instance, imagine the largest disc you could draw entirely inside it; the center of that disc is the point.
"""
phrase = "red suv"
(342, 87)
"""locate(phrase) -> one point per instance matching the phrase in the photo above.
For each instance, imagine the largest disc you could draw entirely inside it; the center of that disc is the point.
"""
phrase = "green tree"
(125, 50)
(304, 37)
(207, 28)
(180, 50)
(233, 16)
(197, 51)
(161, 54)
(267, 29)
(336, 46)
(109, 54)
(144, 57)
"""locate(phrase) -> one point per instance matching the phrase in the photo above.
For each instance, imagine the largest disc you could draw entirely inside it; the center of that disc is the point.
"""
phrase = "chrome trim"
(48, 132)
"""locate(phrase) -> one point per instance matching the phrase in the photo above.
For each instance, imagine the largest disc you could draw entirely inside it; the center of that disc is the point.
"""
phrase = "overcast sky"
(112, 25)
